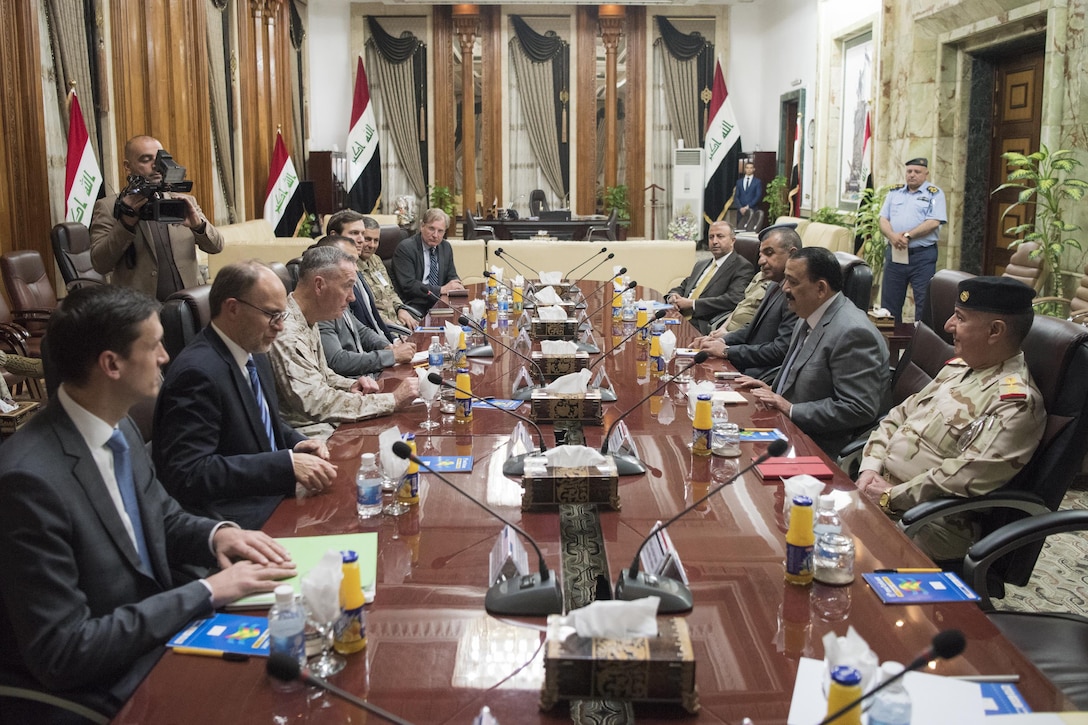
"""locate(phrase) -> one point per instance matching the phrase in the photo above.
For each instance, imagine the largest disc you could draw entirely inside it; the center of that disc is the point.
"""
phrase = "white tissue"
(853, 651)
(573, 383)
(609, 619)
(392, 465)
(478, 309)
(496, 272)
(668, 343)
(694, 390)
(427, 389)
(800, 485)
(547, 296)
(558, 347)
(575, 457)
(551, 314)
(551, 277)
(453, 335)
(321, 587)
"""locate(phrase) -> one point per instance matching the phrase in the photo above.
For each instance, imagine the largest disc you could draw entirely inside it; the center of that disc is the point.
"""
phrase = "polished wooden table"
(575, 229)
(435, 656)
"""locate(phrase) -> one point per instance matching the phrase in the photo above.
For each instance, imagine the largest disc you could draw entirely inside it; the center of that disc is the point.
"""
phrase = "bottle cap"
(285, 594)
(890, 669)
(349, 556)
(703, 396)
(827, 501)
(367, 459)
(802, 501)
(846, 675)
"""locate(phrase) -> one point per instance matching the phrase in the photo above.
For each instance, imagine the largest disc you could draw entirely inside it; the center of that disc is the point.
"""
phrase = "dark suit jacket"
(721, 294)
(77, 617)
(752, 197)
(211, 450)
(408, 271)
(759, 347)
(839, 381)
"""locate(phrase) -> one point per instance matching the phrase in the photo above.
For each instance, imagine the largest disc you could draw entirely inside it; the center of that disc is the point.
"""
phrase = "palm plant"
(874, 245)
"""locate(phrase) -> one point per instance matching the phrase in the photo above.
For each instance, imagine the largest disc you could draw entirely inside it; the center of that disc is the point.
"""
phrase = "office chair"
(72, 248)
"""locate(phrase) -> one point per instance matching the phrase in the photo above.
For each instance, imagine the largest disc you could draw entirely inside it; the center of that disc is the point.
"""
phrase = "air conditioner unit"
(688, 170)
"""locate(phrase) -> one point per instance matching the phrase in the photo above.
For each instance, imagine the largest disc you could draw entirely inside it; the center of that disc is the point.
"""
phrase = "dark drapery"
(691, 47)
(543, 49)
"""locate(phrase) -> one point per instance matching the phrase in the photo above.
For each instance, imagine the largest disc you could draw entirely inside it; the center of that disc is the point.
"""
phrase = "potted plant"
(776, 199)
(442, 198)
(615, 197)
(867, 228)
(831, 215)
(1044, 180)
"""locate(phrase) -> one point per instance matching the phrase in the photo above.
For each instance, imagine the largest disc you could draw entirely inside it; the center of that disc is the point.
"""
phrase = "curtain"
(298, 87)
(219, 91)
(397, 76)
(70, 28)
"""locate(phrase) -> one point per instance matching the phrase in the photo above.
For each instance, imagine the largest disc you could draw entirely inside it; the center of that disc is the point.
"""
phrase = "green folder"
(306, 551)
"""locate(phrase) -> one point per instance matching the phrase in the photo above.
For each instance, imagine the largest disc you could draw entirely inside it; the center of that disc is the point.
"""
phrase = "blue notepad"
(241, 634)
(500, 403)
(920, 588)
(449, 464)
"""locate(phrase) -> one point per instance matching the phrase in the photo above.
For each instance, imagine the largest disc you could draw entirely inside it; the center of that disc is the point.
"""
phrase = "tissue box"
(554, 366)
(16, 419)
(545, 487)
(657, 669)
(548, 407)
(553, 329)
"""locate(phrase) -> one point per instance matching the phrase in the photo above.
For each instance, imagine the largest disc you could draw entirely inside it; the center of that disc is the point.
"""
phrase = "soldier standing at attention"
(911, 219)
(972, 428)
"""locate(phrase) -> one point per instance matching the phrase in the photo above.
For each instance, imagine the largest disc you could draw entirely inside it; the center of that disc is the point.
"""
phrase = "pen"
(986, 678)
(906, 571)
(757, 430)
(228, 656)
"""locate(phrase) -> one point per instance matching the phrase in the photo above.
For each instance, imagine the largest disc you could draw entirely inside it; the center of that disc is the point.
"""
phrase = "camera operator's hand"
(195, 219)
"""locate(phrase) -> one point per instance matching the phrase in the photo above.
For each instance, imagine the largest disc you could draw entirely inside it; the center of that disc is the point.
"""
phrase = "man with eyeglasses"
(219, 444)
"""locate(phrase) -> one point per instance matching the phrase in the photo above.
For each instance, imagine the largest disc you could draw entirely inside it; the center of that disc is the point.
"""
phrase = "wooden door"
(1018, 104)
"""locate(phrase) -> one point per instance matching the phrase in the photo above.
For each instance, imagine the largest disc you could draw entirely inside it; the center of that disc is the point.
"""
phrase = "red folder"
(776, 468)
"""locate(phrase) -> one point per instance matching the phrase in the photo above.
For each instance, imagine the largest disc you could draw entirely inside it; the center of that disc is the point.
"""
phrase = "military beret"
(1000, 295)
(920, 161)
(767, 230)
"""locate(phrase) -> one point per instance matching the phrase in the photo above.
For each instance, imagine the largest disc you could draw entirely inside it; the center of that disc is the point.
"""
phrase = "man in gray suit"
(89, 536)
(715, 286)
(758, 348)
(834, 380)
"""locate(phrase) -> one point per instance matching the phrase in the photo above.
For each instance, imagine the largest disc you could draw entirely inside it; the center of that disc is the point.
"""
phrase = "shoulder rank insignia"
(957, 361)
(896, 187)
(932, 189)
(1013, 388)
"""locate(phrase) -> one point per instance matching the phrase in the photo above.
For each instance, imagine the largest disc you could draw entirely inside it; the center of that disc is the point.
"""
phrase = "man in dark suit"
(834, 380)
(715, 286)
(89, 535)
(758, 348)
(423, 263)
(748, 194)
(219, 450)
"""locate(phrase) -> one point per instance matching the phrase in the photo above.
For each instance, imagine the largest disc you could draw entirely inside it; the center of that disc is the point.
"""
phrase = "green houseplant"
(831, 215)
(776, 199)
(442, 198)
(1045, 179)
(867, 226)
(615, 197)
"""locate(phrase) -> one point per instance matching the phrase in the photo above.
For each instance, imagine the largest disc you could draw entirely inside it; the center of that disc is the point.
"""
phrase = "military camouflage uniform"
(965, 434)
(312, 396)
(386, 298)
(745, 310)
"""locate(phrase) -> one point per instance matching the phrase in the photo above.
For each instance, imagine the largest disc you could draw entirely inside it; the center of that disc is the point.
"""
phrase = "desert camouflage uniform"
(965, 434)
(312, 397)
(386, 298)
(745, 310)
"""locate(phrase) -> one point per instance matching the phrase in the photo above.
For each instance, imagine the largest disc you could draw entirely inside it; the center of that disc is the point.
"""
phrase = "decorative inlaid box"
(548, 407)
(553, 329)
(545, 487)
(555, 366)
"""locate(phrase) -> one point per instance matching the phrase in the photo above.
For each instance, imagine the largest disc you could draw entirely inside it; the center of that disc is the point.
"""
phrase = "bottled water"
(368, 488)
(286, 626)
(892, 705)
(435, 356)
(827, 518)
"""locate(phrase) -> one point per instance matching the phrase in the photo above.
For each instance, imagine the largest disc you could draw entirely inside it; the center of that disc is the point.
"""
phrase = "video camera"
(158, 208)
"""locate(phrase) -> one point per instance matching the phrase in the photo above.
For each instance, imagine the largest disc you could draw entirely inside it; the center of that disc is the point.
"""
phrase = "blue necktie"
(432, 275)
(122, 471)
(262, 404)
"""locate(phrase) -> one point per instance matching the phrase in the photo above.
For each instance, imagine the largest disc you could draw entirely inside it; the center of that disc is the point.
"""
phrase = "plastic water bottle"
(827, 518)
(892, 705)
(436, 358)
(368, 488)
(286, 625)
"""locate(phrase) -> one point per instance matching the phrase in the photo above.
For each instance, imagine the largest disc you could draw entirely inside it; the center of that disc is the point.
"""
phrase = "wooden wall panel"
(160, 82)
(584, 167)
(635, 116)
(444, 110)
(264, 89)
(492, 96)
(24, 185)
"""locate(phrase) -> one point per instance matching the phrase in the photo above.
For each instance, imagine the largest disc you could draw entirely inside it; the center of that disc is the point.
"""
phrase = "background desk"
(435, 656)
(573, 229)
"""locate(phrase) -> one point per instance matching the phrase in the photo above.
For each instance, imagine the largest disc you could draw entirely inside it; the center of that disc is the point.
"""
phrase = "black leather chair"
(747, 246)
(183, 315)
(1057, 356)
(538, 202)
(289, 280)
(72, 249)
(471, 230)
(753, 221)
(605, 232)
(857, 279)
(922, 359)
(941, 300)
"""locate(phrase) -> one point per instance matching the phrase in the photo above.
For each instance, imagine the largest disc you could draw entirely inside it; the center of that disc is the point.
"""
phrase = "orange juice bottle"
(463, 414)
(800, 540)
(351, 627)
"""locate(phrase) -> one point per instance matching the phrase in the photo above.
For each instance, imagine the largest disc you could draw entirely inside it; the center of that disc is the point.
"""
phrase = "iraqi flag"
(282, 201)
(722, 145)
(794, 197)
(364, 160)
(82, 178)
(867, 152)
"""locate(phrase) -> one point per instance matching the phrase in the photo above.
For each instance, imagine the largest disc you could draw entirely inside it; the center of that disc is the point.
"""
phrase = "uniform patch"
(1013, 389)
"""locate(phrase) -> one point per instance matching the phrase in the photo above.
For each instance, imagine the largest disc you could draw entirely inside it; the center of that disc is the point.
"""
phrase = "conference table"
(435, 656)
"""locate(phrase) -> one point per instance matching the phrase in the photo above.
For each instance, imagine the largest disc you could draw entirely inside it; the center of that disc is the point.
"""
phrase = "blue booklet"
(760, 436)
(236, 633)
(449, 464)
(1002, 698)
(920, 587)
(500, 403)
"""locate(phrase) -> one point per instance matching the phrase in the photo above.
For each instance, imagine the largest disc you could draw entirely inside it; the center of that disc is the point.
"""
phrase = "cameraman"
(155, 258)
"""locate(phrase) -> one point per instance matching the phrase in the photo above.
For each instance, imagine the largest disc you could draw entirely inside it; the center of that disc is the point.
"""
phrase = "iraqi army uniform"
(386, 298)
(745, 310)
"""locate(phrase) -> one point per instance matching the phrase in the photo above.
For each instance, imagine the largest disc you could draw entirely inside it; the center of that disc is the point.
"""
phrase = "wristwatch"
(906, 235)
(885, 500)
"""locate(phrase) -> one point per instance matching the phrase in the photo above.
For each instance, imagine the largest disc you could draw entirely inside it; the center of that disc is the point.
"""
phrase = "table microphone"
(532, 595)
(619, 273)
(656, 316)
(284, 667)
(629, 465)
(479, 350)
(944, 646)
(466, 322)
(630, 285)
(491, 275)
(499, 253)
(574, 284)
(591, 258)
(675, 597)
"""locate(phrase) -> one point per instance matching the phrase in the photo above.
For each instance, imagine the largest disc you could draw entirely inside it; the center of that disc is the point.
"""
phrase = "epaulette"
(896, 187)
(932, 189)
(957, 361)
(1013, 388)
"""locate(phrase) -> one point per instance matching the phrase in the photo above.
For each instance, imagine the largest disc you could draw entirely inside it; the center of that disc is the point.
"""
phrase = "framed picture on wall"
(857, 85)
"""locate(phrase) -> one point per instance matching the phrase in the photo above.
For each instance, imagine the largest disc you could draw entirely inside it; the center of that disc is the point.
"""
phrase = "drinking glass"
(428, 391)
(329, 662)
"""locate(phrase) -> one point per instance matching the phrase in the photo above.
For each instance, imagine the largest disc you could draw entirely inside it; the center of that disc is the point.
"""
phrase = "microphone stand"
(283, 667)
(656, 316)
(533, 595)
(478, 351)
(675, 597)
(572, 285)
(587, 261)
(524, 393)
(504, 255)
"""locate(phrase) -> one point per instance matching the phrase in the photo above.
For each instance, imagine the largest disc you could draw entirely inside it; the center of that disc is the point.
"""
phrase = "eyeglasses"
(273, 317)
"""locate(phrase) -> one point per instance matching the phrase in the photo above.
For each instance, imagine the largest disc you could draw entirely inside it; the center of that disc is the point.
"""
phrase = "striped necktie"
(262, 404)
(432, 275)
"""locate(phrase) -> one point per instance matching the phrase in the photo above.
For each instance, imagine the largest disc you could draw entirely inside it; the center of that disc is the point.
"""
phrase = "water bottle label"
(435, 360)
(369, 492)
(293, 645)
